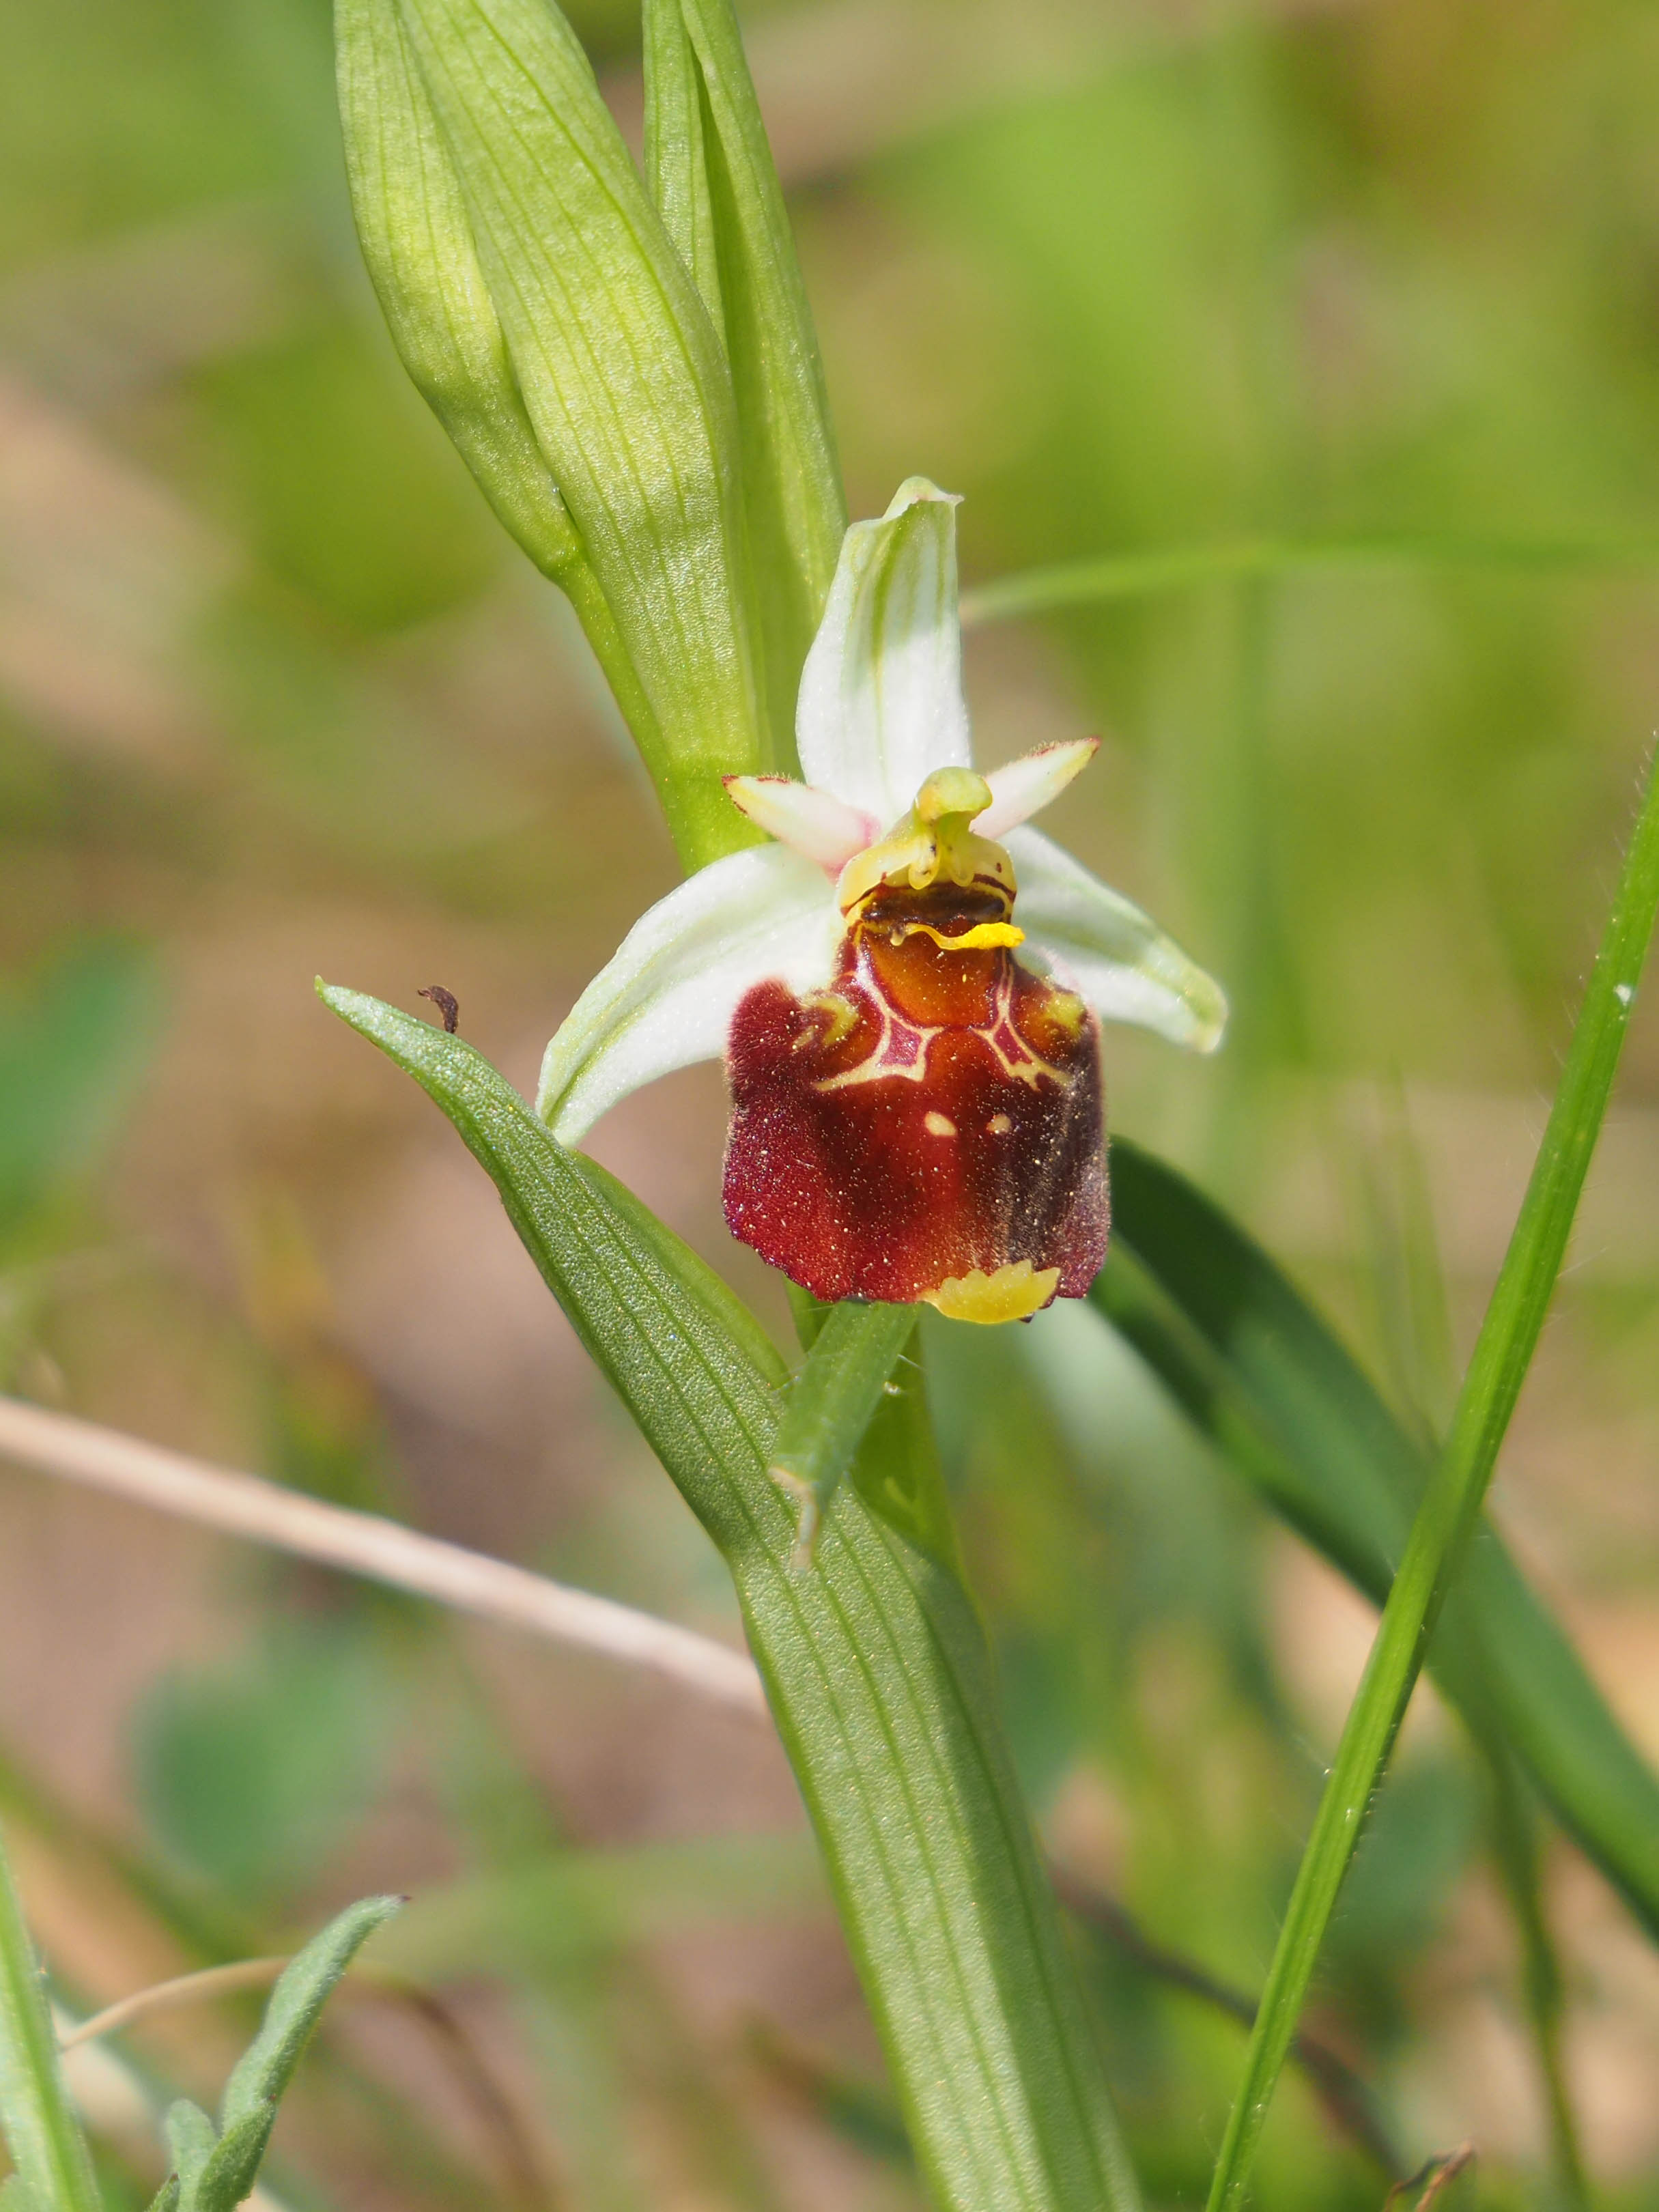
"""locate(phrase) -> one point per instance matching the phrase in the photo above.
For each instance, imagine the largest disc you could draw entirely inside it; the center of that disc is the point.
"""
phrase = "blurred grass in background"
(276, 697)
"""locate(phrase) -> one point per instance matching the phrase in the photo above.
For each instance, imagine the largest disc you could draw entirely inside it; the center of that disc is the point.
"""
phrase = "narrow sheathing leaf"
(418, 245)
(39, 2123)
(676, 154)
(795, 506)
(875, 1665)
(833, 1401)
(1254, 1368)
(266, 2066)
(622, 378)
(1451, 1504)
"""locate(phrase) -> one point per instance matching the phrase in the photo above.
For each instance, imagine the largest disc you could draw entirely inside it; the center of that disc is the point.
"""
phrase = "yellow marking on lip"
(840, 1018)
(1014, 1292)
(980, 937)
(937, 1124)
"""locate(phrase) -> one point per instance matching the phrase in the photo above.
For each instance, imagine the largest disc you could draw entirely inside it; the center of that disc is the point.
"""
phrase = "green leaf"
(712, 178)
(423, 258)
(1446, 1518)
(1261, 1375)
(266, 2066)
(166, 2198)
(622, 378)
(191, 2139)
(875, 1665)
(229, 2175)
(831, 1404)
(37, 2119)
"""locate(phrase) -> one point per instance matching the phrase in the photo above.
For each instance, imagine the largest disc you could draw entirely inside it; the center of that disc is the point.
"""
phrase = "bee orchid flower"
(915, 1082)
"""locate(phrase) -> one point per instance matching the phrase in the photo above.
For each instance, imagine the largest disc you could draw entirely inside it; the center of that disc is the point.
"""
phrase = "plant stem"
(1451, 1504)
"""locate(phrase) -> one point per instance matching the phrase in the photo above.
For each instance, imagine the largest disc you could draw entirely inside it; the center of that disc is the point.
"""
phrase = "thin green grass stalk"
(1180, 567)
(1451, 1504)
(1417, 1321)
(41, 2130)
(1514, 1831)
(1284, 1405)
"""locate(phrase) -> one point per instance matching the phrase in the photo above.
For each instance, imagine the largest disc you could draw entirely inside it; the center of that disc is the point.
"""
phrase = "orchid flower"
(916, 1094)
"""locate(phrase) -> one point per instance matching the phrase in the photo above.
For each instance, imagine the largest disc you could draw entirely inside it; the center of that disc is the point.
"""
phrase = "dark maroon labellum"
(927, 1128)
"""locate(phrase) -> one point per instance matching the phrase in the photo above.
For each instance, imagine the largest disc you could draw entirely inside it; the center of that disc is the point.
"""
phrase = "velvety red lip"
(932, 1118)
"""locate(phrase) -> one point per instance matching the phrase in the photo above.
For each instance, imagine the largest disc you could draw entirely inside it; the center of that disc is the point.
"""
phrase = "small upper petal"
(806, 818)
(1110, 952)
(880, 703)
(666, 998)
(1025, 785)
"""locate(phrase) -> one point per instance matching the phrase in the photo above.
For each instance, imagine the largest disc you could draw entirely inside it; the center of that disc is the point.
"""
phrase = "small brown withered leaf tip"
(446, 1003)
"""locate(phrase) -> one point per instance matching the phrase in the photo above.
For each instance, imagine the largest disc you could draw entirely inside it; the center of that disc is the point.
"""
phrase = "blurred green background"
(276, 696)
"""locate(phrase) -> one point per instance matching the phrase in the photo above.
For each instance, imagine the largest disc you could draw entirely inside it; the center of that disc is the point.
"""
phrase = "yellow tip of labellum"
(976, 939)
(1014, 1292)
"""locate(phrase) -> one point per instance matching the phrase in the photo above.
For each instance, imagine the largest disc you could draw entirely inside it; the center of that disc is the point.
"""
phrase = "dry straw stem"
(382, 1551)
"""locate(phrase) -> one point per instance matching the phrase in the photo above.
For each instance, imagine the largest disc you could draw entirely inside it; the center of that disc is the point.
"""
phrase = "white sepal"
(880, 704)
(803, 817)
(667, 998)
(1024, 787)
(1108, 951)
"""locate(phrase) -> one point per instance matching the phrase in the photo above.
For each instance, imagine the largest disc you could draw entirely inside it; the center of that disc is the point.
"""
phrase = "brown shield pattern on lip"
(929, 1126)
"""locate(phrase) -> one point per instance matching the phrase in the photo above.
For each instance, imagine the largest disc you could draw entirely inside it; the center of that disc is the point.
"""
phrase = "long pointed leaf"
(875, 1665)
(1258, 1371)
(266, 2066)
(1446, 1518)
(717, 186)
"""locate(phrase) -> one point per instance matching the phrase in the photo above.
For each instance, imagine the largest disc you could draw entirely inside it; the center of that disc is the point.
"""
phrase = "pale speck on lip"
(938, 1125)
(999, 1125)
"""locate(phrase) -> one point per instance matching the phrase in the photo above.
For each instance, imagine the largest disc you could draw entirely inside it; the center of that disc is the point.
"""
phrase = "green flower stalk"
(629, 368)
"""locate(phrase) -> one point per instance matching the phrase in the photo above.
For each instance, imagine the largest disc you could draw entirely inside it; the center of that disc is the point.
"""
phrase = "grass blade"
(1516, 1848)
(54, 2167)
(1257, 1370)
(1446, 1518)
(1180, 568)
(875, 1665)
